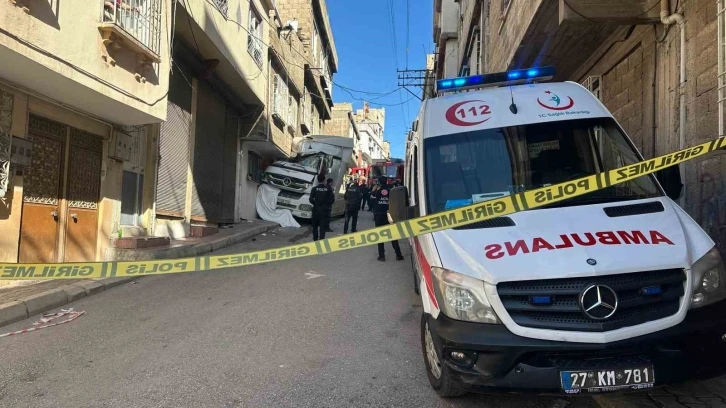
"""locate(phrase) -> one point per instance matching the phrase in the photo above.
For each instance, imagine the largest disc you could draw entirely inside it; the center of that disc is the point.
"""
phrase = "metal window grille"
(280, 100)
(254, 167)
(254, 38)
(292, 112)
(222, 5)
(594, 84)
(139, 18)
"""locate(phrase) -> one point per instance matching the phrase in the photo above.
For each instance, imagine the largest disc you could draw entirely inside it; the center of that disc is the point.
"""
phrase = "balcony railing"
(139, 19)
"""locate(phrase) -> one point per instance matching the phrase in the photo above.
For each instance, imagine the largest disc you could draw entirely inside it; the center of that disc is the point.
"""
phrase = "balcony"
(134, 25)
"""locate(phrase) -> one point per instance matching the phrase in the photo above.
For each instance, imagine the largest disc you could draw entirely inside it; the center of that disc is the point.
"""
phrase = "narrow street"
(334, 331)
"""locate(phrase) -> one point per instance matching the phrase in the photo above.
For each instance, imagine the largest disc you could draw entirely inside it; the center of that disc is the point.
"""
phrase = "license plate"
(283, 201)
(574, 382)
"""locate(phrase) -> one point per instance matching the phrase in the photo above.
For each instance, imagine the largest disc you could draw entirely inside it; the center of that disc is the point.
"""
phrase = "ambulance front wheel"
(438, 373)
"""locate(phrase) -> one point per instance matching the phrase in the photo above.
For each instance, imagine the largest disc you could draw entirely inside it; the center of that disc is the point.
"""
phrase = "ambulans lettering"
(497, 251)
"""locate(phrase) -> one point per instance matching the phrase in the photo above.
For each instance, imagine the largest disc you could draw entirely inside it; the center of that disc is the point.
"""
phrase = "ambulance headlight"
(462, 297)
(709, 284)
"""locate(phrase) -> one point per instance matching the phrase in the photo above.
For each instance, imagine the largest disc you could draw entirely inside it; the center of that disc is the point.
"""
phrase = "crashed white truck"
(295, 177)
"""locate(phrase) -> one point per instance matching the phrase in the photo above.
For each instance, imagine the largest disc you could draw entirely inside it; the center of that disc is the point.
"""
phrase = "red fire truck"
(393, 169)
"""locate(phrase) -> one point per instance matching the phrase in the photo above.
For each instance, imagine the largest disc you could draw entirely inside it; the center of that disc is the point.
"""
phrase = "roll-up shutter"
(174, 146)
(208, 155)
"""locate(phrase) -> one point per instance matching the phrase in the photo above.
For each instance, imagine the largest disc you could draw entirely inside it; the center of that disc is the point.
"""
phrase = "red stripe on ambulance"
(426, 269)
(564, 241)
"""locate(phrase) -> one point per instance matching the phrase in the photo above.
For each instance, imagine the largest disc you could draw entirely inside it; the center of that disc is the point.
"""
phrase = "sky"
(367, 61)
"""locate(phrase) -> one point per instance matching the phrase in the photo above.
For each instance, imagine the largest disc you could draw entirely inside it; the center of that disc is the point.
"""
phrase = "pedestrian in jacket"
(380, 216)
(352, 198)
(372, 196)
(322, 198)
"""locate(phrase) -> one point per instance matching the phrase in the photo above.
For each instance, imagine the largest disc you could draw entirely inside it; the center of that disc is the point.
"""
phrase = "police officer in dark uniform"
(322, 198)
(352, 198)
(380, 216)
(329, 183)
(365, 193)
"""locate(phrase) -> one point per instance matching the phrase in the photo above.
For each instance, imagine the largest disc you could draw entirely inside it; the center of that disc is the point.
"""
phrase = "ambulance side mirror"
(670, 179)
(398, 204)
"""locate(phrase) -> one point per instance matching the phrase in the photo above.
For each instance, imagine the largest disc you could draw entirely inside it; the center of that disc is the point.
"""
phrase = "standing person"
(380, 216)
(329, 183)
(322, 198)
(365, 194)
(352, 198)
(372, 196)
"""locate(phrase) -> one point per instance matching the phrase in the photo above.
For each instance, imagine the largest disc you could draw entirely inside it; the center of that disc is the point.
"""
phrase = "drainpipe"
(668, 19)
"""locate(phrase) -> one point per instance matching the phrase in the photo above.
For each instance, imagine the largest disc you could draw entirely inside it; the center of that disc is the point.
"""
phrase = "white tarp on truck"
(266, 204)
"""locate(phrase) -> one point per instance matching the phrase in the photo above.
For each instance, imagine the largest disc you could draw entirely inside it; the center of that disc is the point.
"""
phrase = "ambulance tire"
(444, 385)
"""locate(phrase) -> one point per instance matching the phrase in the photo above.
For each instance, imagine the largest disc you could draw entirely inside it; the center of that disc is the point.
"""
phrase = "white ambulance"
(615, 289)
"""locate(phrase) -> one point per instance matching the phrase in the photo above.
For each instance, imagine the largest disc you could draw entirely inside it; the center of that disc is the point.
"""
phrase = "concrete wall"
(57, 40)
(227, 36)
(111, 173)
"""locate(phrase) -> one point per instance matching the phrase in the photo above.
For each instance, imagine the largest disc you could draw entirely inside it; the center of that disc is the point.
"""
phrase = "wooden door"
(41, 197)
(84, 183)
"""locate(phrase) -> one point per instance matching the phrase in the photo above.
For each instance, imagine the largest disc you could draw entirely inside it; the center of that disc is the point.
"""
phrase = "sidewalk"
(22, 301)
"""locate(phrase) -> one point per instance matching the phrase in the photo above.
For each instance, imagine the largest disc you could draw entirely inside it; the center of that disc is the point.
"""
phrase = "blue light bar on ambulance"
(518, 76)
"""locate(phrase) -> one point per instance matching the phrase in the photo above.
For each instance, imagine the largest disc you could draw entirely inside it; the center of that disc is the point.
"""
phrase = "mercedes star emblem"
(599, 302)
(286, 182)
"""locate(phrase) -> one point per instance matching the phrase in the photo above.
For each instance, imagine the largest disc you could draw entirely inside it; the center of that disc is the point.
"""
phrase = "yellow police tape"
(405, 229)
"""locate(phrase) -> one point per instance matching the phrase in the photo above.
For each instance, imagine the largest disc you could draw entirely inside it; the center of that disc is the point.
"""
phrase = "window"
(254, 39)
(141, 19)
(279, 98)
(594, 85)
(254, 167)
(480, 165)
(222, 6)
(292, 112)
(314, 40)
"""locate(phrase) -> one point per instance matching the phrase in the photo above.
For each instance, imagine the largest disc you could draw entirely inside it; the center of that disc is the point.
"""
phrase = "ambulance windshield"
(476, 166)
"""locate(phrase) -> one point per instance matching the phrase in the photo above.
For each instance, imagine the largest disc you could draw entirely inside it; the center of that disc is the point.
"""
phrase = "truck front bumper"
(693, 349)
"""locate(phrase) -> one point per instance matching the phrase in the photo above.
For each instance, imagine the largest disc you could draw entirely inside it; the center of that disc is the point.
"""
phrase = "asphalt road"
(335, 331)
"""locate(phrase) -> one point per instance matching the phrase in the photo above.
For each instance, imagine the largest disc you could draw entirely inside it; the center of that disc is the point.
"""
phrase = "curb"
(16, 311)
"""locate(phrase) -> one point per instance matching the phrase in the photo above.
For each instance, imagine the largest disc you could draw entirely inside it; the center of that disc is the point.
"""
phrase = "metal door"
(42, 192)
(84, 183)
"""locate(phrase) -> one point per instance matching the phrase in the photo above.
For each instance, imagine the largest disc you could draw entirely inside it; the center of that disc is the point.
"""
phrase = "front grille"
(564, 311)
(295, 184)
(290, 194)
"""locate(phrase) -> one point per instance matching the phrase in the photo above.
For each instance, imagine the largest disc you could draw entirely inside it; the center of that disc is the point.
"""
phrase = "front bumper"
(692, 349)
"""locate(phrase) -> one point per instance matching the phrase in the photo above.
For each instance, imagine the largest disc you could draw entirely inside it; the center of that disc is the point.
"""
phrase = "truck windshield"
(474, 166)
(388, 171)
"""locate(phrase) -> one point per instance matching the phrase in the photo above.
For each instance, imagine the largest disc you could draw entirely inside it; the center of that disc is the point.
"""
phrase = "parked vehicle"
(393, 169)
(331, 155)
(611, 290)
